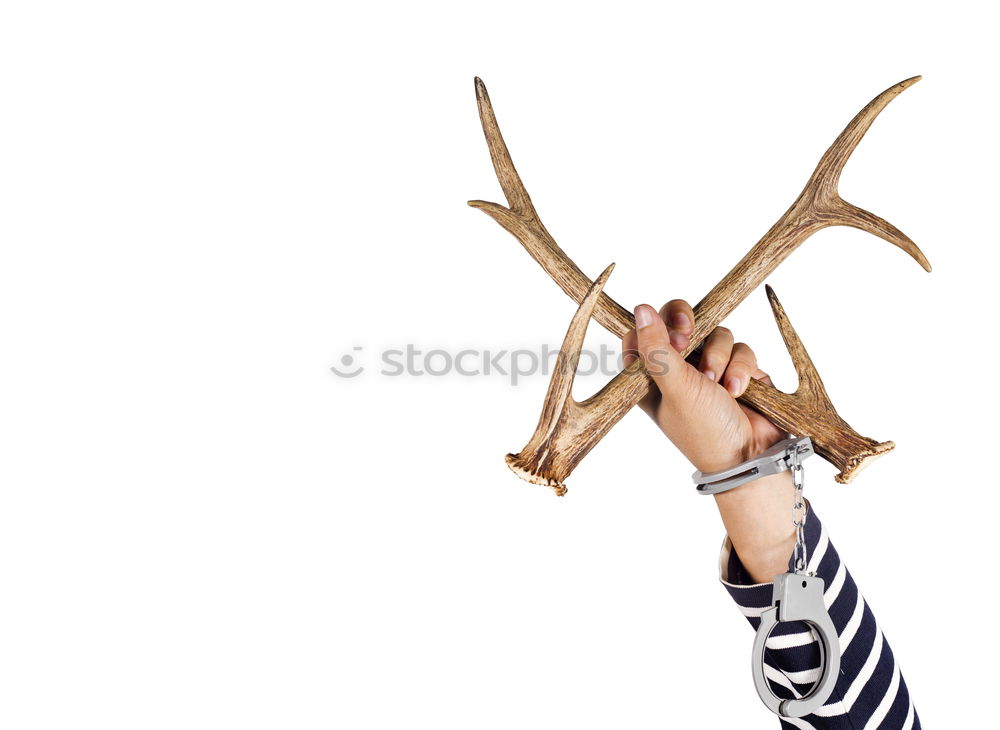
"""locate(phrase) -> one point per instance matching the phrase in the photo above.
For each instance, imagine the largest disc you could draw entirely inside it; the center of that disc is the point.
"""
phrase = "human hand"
(696, 407)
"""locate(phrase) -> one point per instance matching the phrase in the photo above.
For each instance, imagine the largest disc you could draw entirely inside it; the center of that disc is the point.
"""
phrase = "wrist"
(720, 461)
(723, 460)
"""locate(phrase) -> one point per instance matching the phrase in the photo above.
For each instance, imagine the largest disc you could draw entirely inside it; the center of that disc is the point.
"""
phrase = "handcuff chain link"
(799, 513)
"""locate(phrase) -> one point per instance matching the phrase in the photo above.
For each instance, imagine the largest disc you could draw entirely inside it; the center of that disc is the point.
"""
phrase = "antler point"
(481, 92)
(484, 205)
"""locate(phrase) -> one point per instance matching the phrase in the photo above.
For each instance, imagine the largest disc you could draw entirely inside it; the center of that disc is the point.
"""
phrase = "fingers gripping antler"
(550, 456)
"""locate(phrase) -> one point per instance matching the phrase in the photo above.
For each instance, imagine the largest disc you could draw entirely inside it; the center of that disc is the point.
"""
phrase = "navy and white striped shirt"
(871, 692)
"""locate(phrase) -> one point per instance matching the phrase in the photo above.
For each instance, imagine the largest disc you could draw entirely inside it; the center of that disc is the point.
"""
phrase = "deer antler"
(568, 430)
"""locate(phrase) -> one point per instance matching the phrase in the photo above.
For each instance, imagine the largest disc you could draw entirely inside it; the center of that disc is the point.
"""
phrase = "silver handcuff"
(798, 595)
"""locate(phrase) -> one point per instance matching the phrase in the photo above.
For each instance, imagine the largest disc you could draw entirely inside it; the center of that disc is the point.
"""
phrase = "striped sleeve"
(871, 692)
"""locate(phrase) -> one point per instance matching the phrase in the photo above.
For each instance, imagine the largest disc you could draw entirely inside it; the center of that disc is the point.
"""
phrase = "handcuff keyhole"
(804, 584)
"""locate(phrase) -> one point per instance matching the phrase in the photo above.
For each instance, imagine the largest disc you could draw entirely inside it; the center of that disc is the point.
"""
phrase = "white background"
(204, 206)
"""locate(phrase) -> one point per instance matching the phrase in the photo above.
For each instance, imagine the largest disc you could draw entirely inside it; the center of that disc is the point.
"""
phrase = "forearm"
(758, 520)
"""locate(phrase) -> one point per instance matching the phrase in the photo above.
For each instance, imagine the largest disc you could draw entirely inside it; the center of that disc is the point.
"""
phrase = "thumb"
(663, 363)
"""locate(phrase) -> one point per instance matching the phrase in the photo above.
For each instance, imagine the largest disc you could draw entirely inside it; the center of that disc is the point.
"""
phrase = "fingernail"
(679, 320)
(710, 374)
(643, 316)
(678, 341)
(733, 386)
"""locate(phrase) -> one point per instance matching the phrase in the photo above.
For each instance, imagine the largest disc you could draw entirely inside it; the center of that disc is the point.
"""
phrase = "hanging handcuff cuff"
(798, 595)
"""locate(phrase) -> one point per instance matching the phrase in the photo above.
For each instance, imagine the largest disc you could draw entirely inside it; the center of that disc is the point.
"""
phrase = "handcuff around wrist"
(773, 461)
(798, 594)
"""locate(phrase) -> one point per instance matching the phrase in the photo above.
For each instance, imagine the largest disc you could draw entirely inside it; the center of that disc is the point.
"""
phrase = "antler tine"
(814, 413)
(521, 221)
(810, 383)
(510, 182)
(559, 412)
(821, 193)
(826, 176)
(861, 219)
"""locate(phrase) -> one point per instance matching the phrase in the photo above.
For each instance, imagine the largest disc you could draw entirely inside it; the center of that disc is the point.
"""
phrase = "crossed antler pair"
(567, 430)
